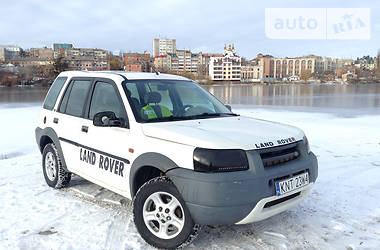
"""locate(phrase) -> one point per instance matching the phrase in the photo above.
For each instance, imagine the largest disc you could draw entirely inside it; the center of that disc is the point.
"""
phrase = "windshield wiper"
(218, 114)
(206, 114)
(231, 114)
(180, 118)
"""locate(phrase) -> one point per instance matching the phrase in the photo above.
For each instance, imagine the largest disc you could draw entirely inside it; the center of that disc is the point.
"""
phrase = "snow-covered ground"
(341, 212)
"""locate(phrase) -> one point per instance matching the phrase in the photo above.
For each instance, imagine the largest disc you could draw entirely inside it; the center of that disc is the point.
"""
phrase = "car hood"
(225, 133)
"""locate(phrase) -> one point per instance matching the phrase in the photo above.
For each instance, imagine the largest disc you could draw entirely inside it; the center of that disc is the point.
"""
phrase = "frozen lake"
(343, 100)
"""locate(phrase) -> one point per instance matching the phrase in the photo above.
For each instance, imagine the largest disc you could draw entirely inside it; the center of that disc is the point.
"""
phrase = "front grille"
(279, 155)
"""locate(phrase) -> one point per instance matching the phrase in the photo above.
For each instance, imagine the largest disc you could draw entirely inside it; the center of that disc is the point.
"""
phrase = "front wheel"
(161, 215)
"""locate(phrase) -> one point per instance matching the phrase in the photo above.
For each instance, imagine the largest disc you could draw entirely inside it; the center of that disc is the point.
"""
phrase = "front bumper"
(261, 211)
(240, 197)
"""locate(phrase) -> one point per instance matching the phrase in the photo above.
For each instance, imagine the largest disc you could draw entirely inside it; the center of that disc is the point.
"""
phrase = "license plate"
(288, 185)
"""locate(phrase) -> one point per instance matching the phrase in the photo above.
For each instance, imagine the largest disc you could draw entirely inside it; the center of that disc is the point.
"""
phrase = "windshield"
(169, 100)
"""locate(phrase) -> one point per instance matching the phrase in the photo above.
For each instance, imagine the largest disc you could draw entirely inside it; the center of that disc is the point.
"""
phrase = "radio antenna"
(150, 65)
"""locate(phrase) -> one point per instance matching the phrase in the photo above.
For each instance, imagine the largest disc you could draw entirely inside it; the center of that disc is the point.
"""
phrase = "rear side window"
(75, 97)
(54, 91)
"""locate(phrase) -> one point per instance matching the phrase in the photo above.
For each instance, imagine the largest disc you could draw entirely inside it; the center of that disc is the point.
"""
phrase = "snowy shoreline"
(342, 210)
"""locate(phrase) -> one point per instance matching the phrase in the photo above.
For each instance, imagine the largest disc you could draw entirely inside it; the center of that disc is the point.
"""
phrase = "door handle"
(55, 120)
(84, 129)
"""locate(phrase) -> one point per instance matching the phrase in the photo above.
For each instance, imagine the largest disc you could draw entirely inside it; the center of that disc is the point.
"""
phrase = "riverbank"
(209, 82)
(206, 82)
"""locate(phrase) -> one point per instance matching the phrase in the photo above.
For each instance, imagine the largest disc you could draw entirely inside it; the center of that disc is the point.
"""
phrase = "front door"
(104, 150)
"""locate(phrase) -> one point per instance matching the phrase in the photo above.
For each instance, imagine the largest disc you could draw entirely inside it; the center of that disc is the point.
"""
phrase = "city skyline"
(205, 27)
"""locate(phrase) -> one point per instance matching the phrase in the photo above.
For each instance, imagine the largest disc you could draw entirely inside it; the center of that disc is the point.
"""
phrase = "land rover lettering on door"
(183, 157)
(103, 162)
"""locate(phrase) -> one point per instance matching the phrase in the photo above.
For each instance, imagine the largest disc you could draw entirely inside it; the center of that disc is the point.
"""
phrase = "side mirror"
(106, 119)
(229, 107)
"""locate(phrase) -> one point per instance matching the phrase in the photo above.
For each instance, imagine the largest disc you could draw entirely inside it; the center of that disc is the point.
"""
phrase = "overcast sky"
(203, 25)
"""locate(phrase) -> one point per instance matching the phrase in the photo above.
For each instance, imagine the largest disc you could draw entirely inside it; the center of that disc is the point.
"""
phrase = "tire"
(55, 175)
(159, 227)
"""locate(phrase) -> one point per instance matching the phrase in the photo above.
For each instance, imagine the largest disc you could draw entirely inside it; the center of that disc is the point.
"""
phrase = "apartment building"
(184, 60)
(164, 46)
(137, 62)
(252, 72)
(226, 67)
(86, 59)
(285, 67)
(9, 52)
(163, 63)
(60, 48)
(41, 53)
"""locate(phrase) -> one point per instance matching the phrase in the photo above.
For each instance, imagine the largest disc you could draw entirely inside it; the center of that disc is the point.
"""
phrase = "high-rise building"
(163, 46)
(226, 67)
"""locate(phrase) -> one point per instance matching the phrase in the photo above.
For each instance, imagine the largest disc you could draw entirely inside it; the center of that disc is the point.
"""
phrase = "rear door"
(104, 149)
(69, 118)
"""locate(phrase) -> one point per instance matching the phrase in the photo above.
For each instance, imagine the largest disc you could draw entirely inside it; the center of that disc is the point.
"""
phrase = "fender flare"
(150, 159)
(49, 132)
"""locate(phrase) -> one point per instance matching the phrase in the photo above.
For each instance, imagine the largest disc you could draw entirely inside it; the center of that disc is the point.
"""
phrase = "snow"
(342, 210)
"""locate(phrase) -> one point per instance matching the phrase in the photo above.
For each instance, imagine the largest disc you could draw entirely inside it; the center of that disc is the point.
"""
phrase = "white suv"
(181, 155)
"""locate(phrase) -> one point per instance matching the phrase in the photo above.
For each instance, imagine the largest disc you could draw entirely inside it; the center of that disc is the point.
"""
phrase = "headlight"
(307, 145)
(219, 160)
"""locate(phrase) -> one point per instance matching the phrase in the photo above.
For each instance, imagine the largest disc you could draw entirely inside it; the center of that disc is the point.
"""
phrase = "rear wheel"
(161, 215)
(55, 175)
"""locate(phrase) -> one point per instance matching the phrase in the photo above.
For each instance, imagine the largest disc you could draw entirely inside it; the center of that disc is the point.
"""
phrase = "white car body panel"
(223, 133)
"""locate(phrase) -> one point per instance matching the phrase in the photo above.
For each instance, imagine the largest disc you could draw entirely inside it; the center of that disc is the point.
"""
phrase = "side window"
(75, 97)
(132, 88)
(62, 106)
(105, 98)
(54, 91)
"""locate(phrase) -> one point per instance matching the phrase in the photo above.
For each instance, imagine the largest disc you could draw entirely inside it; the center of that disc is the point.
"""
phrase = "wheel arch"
(48, 135)
(45, 139)
(148, 166)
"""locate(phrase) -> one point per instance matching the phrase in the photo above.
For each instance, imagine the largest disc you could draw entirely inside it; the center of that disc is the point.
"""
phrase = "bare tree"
(60, 64)
(115, 62)
(305, 75)
(28, 72)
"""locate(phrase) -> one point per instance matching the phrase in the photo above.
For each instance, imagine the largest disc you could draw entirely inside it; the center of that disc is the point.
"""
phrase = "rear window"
(54, 91)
